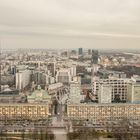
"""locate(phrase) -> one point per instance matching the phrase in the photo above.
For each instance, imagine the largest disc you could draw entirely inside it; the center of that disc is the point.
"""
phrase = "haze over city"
(70, 24)
(70, 69)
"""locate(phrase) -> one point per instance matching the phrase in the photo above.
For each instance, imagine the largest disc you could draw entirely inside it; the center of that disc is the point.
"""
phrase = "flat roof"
(23, 104)
(98, 104)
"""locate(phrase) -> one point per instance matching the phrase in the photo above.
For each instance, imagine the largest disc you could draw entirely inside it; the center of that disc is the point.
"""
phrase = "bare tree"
(123, 131)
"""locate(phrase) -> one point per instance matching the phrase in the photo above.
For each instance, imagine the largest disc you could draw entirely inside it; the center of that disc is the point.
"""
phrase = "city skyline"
(72, 24)
(64, 91)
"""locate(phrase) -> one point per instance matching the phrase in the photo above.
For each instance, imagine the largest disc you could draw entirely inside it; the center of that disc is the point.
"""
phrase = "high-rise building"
(89, 51)
(13, 69)
(63, 76)
(23, 79)
(38, 77)
(41, 78)
(119, 87)
(64, 54)
(134, 90)
(136, 79)
(95, 56)
(51, 68)
(95, 69)
(133, 93)
(75, 91)
(104, 94)
(73, 70)
(80, 51)
(73, 52)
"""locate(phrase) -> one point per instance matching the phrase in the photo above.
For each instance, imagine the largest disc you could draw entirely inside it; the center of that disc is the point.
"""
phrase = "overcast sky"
(70, 23)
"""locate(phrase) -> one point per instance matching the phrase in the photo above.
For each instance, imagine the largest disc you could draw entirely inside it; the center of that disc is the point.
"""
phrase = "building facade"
(133, 93)
(75, 91)
(119, 88)
(23, 78)
(95, 56)
(80, 51)
(104, 95)
(51, 67)
(63, 76)
(102, 113)
(39, 96)
(24, 111)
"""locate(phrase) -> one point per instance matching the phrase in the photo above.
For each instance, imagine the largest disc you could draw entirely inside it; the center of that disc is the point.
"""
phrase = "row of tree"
(124, 130)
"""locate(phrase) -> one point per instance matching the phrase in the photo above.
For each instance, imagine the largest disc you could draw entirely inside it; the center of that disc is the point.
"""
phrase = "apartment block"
(119, 87)
(104, 95)
(133, 93)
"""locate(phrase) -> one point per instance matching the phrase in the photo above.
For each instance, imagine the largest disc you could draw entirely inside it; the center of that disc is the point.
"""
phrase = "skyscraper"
(80, 51)
(95, 55)
(51, 67)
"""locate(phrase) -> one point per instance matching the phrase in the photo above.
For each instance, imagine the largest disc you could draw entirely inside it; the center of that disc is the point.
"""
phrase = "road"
(60, 133)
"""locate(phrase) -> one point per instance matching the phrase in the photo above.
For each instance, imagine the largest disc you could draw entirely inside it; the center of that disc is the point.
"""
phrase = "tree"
(83, 134)
(23, 134)
(122, 131)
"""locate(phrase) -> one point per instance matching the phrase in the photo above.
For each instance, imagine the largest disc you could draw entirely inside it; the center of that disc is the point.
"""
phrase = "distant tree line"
(129, 70)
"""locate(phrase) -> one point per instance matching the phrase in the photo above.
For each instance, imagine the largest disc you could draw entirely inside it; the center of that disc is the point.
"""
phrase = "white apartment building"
(134, 90)
(23, 78)
(75, 91)
(105, 94)
(40, 77)
(95, 68)
(73, 70)
(133, 93)
(119, 87)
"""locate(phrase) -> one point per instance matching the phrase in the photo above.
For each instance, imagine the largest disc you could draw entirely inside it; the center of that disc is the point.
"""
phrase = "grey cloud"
(77, 18)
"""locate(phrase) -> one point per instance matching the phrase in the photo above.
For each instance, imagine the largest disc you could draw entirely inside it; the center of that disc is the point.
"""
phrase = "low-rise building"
(24, 111)
(102, 113)
(39, 96)
(8, 95)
